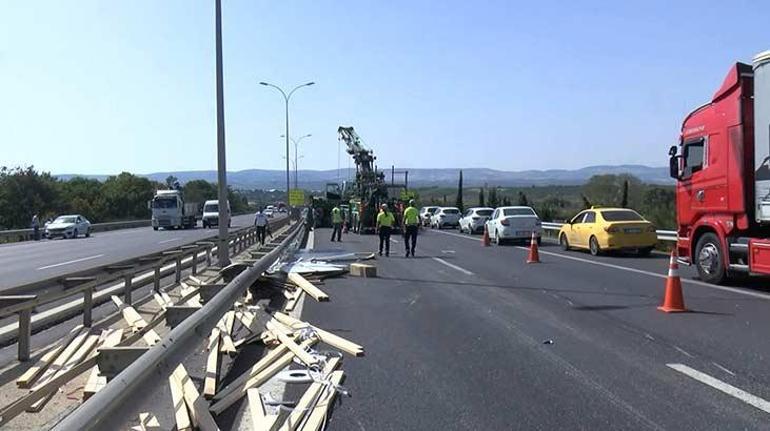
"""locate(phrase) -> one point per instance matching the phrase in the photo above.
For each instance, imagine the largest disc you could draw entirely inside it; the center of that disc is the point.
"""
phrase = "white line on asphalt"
(715, 383)
(169, 240)
(394, 240)
(71, 261)
(684, 352)
(451, 265)
(723, 368)
(638, 271)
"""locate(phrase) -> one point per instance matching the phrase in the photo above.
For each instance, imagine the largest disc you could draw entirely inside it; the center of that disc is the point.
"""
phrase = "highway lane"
(468, 345)
(27, 262)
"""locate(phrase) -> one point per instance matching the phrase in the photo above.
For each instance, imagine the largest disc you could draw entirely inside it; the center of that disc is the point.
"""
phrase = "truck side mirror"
(673, 167)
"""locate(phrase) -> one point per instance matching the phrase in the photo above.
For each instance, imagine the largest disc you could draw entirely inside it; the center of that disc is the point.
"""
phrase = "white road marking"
(453, 266)
(168, 240)
(638, 271)
(715, 383)
(71, 261)
(684, 352)
(723, 368)
(394, 240)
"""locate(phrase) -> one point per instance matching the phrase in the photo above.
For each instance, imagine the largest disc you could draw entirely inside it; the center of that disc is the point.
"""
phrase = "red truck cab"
(723, 177)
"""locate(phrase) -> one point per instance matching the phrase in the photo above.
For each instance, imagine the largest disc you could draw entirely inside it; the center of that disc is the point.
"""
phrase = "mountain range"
(422, 177)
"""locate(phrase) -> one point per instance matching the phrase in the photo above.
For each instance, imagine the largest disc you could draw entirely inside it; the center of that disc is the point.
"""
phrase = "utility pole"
(223, 246)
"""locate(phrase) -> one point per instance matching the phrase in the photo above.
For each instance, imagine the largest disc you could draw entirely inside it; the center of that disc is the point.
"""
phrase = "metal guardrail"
(18, 235)
(663, 235)
(23, 300)
(108, 407)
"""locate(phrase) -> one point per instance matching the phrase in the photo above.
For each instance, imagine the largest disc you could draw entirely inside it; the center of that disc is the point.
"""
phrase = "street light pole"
(223, 257)
(286, 98)
(296, 158)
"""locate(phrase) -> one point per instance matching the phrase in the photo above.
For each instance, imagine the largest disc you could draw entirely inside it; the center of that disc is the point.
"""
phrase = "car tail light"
(505, 222)
(612, 229)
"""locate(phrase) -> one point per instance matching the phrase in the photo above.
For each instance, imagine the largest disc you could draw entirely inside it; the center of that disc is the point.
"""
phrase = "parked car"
(602, 229)
(211, 214)
(425, 215)
(473, 219)
(445, 217)
(514, 224)
(269, 212)
(68, 226)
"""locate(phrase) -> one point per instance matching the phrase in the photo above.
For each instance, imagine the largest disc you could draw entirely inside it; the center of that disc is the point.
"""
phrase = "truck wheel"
(593, 246)
(563, 242)
(709, 259)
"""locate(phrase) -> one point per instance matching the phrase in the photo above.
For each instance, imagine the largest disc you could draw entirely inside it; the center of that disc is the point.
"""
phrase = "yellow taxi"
(603, 229)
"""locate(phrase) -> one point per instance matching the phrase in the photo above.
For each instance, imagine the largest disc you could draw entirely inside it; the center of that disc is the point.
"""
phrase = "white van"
(211, 214)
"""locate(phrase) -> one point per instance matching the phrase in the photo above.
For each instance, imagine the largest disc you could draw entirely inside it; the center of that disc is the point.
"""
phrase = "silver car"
(473, 219)
(68, 226)
(445, 217)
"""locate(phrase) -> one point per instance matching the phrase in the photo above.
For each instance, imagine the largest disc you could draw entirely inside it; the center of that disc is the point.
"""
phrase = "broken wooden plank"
(227, 345)
(26, 379)
(271, 368)
(160, 301)
(308, 398)
(317, 294)
(148, 422)
(317, 416)
(212, 365)
(62, 358)
(303, 355)
(190, 295)
(326, 337)
(82, 353)
(181, 415)
(95, 382)
(199, 412)
(19, 406)
(260, 420)
(136, 321)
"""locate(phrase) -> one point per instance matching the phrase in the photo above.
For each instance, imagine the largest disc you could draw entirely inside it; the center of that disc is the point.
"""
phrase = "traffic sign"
(296, 197)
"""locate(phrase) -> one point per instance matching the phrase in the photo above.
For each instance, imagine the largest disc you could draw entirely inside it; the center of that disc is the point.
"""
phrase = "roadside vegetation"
(558, 203)
(26, 191)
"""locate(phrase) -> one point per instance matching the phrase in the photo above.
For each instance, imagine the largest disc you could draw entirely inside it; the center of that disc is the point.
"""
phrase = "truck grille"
(164, 221)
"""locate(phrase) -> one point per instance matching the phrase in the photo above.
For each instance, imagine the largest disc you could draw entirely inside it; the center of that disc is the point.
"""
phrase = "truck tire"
(709, 259)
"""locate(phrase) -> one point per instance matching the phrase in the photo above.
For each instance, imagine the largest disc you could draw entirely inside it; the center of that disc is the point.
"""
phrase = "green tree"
(459, 200)
(172, 182)
(523, 201)
(23, 193)
(506, 201)
(481, 197)
(493, 202)
(624, 197)
(127, 196)
(586, 202)
(84, 196)
(199, 191)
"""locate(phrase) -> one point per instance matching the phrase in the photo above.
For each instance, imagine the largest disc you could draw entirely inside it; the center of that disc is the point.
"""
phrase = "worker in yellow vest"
(385, 222)
(336, 224)
(411, 223)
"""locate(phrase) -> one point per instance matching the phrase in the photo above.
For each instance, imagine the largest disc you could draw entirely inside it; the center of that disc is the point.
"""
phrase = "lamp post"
(296, 151)
(223, 258)
(286, 98)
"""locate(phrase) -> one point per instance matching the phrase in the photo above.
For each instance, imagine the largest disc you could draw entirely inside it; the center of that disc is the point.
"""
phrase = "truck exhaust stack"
(762, 136)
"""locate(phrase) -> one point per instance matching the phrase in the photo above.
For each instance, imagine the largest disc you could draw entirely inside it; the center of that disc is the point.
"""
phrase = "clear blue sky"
(104, 86)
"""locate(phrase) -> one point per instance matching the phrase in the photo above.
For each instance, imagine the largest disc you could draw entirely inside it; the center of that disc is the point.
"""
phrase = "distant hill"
(472, 177)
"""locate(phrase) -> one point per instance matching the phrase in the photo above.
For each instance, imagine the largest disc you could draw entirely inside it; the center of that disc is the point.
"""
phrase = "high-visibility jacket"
(336, 216)
(411, 216)
(386, 219)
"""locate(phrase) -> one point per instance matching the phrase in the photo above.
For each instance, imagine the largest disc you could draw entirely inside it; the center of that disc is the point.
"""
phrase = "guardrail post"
(195, 261)
(208, 255)
(88, 303)
(156, 277)
(178, 269)
(127, 280)
(25, 333)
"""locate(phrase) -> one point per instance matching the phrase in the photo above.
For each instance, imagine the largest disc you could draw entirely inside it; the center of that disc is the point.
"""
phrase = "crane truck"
(722, 171)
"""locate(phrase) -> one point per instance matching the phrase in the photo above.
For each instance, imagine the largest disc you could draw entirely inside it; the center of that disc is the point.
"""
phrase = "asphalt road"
(465, 337)
(27, 262)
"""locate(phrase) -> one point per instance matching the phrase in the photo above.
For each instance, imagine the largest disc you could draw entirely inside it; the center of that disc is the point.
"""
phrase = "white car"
(425, 215)
(68, 226)
(514, 224)
(473, 219)
(211, 214)
(269, 212)
(445, 216)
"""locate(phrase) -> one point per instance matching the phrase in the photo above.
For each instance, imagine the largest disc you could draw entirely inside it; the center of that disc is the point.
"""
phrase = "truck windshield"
(164, 203)
(621, 215)
(211, 208)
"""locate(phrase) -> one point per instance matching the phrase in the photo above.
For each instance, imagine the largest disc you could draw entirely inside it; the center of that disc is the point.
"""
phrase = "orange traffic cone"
(485, 237)
(534, 255)
(673, 302)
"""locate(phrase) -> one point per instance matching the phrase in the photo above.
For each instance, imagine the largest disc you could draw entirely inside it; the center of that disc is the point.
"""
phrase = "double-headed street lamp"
(296, 151)
(286, 98)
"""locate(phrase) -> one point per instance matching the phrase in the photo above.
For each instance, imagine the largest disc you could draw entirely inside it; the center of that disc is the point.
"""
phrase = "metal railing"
(663, 235)
(96, 285)
(108, 408)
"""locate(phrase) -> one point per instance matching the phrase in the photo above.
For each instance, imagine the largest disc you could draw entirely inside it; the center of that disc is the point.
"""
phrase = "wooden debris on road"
(326, 337)
(225, 326)
(317, 416)
(136, 321)
(181, 413)
(95, 382)
(363, 270)
(212, 364)
(199, 411)
(260, 420)
(26, 379)
(308, 287)
(309, 398)
(190, 295)
(148, 422)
